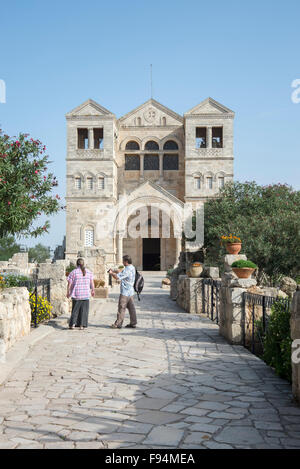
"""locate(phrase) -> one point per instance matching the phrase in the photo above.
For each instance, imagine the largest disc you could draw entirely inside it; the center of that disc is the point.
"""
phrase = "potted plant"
(196, 269)
(243, 269)
(232, 243)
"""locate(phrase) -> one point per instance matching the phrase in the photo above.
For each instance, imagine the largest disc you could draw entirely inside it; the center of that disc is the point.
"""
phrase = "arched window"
(151, 162)
(170, 145)
(151, 145)
(132, 145)
(132, 162)
(101, 183)
(90, 183)
(197, 182)
(78, 183)
(170, 162)
(89, 237)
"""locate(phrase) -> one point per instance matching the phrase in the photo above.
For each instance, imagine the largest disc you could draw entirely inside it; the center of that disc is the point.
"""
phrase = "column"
(161, 171)
(91, 138)
(209, 137)
(142, 166)
(177, 251)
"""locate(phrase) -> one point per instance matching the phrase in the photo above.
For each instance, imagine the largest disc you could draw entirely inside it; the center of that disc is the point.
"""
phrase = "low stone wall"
(15, 317)
(58, 286)
(189, 294)
(295, 335)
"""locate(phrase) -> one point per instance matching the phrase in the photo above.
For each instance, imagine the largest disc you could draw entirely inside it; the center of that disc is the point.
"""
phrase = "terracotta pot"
(233, 248)
(196, 270)
(244, 272)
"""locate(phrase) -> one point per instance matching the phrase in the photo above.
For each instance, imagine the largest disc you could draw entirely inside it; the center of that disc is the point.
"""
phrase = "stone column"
(295, 336)
(209, 137)
(120, 249)
(142, 166)
(91, 139)
(161, 171)
(177, 251)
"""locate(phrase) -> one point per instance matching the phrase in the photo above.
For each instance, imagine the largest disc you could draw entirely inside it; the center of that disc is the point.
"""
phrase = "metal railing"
(211, 298)
(37, 287)
(258, 308)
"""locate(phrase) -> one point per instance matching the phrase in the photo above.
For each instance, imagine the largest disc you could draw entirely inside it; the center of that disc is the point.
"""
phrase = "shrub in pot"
(232, 243)
(243, 269)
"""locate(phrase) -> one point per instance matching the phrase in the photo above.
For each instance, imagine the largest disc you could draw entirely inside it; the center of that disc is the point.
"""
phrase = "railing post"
(36, 300)
(212, 300)
(253, 331)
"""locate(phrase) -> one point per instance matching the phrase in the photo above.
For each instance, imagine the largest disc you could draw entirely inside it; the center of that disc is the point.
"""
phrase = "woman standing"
(80, 288)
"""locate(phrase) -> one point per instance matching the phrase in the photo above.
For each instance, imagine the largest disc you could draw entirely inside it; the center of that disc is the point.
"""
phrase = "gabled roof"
(89, 108)
(152, 102)
(209, 106)
(154, 189)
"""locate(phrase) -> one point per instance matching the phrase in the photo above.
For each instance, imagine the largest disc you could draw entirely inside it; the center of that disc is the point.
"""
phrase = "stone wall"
(15, 317)
(18, 264)
(295, 335)
(58, 286)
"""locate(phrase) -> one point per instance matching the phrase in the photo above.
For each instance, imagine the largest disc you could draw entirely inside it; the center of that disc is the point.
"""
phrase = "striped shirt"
(81, 286)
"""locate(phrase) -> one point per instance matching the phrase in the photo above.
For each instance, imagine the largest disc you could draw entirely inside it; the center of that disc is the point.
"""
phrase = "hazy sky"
(55, 55)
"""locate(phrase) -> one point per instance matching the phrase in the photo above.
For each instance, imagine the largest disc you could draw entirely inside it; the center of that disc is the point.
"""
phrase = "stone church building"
(153, 155)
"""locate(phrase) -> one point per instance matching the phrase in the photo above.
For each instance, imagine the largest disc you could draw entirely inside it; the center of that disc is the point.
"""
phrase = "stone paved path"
(171, 383)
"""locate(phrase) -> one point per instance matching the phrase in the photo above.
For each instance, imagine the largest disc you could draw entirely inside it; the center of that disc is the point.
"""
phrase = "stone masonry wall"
(295, 335)
(15, 317)
(58, 284)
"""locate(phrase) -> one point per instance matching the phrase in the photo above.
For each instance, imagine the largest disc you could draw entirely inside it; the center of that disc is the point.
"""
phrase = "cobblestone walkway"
(171, 383)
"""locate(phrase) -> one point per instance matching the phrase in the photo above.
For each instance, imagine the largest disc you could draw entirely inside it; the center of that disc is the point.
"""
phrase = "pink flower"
(36, 172)
(9, 203)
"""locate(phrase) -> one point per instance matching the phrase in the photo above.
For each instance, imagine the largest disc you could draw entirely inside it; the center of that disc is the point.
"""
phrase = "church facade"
(151, 155)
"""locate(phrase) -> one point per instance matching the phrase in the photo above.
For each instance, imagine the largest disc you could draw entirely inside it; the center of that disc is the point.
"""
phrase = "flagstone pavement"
(171, 383)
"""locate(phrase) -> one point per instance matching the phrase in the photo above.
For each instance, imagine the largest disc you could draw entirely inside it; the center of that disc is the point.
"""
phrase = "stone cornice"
(84, 199)
(209, 158)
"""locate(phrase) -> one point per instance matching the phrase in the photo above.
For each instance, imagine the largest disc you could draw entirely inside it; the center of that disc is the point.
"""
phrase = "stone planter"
(233, 248)
(196, 270)
(244, 272)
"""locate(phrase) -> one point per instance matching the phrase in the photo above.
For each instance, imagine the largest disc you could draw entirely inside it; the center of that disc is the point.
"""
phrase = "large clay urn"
(196, 269)
(233, 248)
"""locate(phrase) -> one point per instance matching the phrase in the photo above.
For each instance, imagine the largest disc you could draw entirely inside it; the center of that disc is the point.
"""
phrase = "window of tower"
(201, 138)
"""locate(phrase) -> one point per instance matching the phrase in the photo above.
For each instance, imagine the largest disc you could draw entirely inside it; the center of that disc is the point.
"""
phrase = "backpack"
(138, 284)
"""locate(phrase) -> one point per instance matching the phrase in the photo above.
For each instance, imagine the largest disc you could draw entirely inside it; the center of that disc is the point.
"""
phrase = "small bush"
(169, 272)
(13, 280)
(278, 342)
(242, 264)
(44, 309)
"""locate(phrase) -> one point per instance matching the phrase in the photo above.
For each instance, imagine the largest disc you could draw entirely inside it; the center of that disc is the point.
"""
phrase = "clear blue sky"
(56, 54)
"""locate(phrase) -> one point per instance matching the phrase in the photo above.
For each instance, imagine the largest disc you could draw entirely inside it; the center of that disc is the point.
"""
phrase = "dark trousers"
(80, 313)
(126, 302)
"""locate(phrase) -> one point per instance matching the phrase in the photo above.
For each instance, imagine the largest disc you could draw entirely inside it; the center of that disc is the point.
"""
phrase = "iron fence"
(211, 298)
(37, 287)
(256, 313)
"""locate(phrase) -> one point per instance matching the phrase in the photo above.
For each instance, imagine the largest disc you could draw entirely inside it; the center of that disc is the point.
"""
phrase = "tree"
(25, 186)
(266, 218)
(8, 247)
(38, 253)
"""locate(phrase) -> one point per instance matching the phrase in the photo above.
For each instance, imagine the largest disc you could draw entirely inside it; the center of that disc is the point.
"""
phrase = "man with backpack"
(127, 288)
